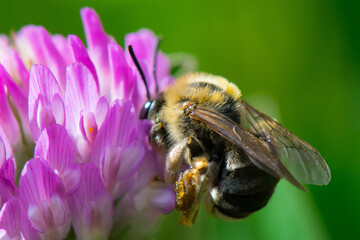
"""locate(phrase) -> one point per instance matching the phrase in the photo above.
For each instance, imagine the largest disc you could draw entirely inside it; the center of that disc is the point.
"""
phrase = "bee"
(222, 149)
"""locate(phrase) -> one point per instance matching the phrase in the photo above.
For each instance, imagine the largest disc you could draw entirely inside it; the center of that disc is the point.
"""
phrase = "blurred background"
(298, 61)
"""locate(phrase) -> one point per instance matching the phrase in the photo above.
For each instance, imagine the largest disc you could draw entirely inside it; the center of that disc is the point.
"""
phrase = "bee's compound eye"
(144, 112)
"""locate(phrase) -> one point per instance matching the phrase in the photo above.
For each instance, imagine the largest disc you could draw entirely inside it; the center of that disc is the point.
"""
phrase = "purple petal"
(38, 182)
(58, 109)
(91, 205)
(36, 45)
(55, 147)
(97, 42)
(42, 89)
(81, 95)
(6, 144)
(131, 159)
(158, 197)
(163, 200)
(8, 190)
(63, 47)
(80, 55)
(144, 45)
(10, 216)
(122, 75)
(18, 97)
(90, 127)
(116, 130)
(16, 68)
(8, 121)
(8, 169)
(101, 111)
(44, 198)
(116, 152)
(7, 162)
(71, 179)
(2, 152)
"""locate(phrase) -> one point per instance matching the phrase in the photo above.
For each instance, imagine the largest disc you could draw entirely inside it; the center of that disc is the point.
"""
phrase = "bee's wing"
(302, 160)
(260, 153)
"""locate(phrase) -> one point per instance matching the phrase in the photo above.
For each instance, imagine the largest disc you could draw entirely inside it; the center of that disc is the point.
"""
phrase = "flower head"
(69, 123)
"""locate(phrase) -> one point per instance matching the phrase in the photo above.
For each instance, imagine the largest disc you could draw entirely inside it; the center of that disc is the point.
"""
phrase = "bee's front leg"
(175, 158)
(157, 136)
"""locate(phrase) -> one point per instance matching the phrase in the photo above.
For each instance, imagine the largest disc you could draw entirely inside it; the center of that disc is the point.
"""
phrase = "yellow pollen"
(91, 129)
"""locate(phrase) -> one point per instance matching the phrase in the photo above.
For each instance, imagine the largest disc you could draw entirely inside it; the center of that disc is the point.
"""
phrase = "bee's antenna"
(154, 66)
(133, 56)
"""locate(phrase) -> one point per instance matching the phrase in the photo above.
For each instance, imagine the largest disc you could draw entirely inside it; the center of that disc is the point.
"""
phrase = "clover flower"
(69, 124)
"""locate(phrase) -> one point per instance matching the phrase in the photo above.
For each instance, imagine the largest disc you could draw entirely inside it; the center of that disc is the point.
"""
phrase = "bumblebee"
(221, 148)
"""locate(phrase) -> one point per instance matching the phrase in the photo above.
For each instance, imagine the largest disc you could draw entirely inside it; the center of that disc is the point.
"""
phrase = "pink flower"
(71, 113)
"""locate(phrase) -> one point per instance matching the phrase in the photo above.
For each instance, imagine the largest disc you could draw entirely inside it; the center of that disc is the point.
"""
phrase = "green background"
(297, 60)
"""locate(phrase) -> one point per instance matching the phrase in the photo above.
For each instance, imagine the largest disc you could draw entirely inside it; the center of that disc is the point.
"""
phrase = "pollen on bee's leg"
(187, 196)
(201, 164)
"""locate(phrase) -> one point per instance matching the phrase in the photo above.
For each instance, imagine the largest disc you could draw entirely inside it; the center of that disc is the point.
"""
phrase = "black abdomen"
(242, 191)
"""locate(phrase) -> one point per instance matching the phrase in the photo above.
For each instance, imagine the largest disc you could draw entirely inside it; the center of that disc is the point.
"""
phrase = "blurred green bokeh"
(302, 55)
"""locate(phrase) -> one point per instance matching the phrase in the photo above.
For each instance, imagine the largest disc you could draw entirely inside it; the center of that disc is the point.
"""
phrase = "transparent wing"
(302, 160)
(260, 153)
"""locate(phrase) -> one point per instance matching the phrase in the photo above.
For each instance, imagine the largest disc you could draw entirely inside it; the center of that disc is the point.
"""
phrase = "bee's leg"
(157, 136)
(192, 182)
(188, 150)
(174, 159)
(188, 190)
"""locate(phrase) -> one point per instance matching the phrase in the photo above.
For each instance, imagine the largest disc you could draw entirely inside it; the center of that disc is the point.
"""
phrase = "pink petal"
(81, 95)
(90, 127)
(16, 68)
(101, 111)
(97, 41)
(80, 55)
(7, 161)
(18, 97)
(116, 151)
(8, 170)
(58, 109)
(38, 182)
(71, 179)
(116, 129)
(63, 47)
(35, 214)
(131, 159)
(55, 147)
(91, 206)
(163, 200)
(144, 44)
(42, 89)
(122, 75)
(36, 45)
(44, 198)
(10, 216)
(6, 144)
(2, 152)
(8, 190)
(8, 121)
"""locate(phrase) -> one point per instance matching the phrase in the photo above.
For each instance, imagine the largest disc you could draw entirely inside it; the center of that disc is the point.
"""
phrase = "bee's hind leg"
(191, 182)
